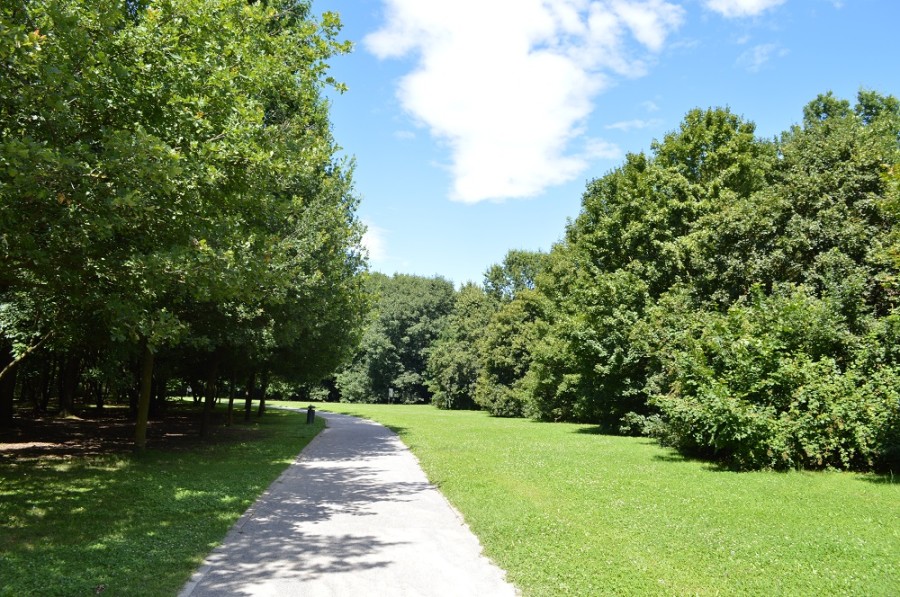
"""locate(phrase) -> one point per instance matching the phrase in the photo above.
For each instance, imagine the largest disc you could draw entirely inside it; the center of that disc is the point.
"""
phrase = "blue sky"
(475, 124)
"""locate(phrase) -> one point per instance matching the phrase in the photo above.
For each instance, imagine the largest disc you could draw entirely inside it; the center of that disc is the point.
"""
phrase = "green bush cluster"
(390, 363)
(763, 385)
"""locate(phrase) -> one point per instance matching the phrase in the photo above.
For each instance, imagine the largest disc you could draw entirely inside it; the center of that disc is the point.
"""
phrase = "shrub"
(773, 383)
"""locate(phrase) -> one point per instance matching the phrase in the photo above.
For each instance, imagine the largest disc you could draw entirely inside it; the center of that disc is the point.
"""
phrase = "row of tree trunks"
(67, 372)
(148, 398)
(37, 391)
(68, 385)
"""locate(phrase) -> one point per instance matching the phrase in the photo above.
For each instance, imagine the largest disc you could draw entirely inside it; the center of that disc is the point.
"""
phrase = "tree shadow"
(338, 478)
(667, 454)
(674, 456)
(110, 432)
(75, 511)
(597, 430)
(889, 478)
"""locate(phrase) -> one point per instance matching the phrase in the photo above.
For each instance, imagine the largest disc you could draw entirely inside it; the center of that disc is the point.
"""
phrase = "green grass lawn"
(134, 524)
(567, 511)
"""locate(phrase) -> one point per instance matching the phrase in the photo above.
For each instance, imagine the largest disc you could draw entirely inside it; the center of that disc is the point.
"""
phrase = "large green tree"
(636, 237)
(454, 359)
(390, 365)
(790, 361)
(167, 172)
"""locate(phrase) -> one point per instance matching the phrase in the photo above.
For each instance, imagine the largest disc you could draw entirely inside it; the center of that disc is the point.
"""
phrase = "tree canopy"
(168, 180)
(390, 366)
(735, 297)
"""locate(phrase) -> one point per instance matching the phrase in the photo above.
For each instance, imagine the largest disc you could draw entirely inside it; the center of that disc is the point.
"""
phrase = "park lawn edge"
(129, 524)
(566, 510)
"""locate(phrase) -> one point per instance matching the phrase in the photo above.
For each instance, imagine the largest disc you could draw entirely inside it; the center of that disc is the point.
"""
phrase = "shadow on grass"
(598, 430)
(110, 432)
(673, 456)
(131, 524)
(884, 479)
(711, 465)
(667, 454)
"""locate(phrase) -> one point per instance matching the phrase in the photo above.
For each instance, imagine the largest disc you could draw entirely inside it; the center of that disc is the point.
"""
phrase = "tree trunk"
(68, 385)
(197, 391)
(98, 395)
(143, 405)
(210, 398)
(248, 401)
(158, 400)
(29, 394)
(7, 389)
(47, 373)
(230, 418)
(263, 386)
(134, 397)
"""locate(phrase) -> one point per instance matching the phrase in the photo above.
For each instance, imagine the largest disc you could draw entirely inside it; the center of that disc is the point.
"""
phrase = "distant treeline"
(734, 297)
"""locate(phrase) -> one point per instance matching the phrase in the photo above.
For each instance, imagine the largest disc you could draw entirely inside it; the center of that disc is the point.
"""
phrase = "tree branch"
(22, 356)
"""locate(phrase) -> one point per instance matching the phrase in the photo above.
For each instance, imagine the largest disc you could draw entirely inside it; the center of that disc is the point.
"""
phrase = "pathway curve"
(353, 515)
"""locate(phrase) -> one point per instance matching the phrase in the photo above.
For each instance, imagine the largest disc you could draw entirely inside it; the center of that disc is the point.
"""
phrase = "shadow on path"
(353, 514)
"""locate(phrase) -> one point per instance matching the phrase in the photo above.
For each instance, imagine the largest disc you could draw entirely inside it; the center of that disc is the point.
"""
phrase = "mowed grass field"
(567, 511)
(125, 524)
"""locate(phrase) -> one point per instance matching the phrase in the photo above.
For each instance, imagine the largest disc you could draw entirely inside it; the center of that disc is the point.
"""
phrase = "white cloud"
(631, 125)
(649, 22)
(374, 241)
(650, 106)
(731, 9)
(602, 150)
(756, 57)
(508, 84)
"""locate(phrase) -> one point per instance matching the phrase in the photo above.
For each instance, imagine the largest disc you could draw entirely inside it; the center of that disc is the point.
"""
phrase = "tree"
(733, 296)
(409, 316)
(796, 372)
(162, 166)
(639, 233)
(454, 360)
(506, 353)
(518, 271)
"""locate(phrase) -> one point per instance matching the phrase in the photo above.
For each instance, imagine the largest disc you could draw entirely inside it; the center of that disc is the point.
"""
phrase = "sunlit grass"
(567, 511)
(133, 525)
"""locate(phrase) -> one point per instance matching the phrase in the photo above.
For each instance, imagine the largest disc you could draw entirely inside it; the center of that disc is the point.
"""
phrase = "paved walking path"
(353, 515)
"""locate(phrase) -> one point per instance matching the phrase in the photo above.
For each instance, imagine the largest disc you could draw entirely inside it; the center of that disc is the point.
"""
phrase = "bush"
(500, 400)
(773, 384)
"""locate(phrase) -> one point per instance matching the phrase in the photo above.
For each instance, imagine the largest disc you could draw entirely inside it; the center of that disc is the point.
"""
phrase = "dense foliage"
(390, 365)
(734, 297)
(453, 361)
(173, 216)
(170, 204)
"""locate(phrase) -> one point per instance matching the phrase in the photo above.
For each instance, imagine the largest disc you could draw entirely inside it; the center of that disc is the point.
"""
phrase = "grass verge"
(126, 524)
(567, 511)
